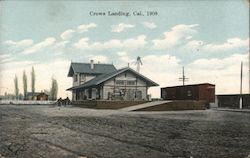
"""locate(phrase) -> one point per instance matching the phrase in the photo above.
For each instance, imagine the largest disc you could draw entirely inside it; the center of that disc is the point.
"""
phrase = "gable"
(126, 77)
(130, 74)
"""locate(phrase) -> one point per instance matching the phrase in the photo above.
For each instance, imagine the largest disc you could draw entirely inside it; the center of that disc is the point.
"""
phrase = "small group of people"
(63, 102)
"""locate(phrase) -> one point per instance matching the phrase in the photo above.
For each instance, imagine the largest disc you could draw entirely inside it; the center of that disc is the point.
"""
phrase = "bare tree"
(16, 87)
(25, 84)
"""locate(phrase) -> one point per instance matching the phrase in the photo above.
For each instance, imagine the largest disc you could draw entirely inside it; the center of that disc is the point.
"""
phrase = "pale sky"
(209, 38)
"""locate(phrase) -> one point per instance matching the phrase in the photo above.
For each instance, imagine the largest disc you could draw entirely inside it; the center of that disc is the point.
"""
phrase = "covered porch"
(90, 93)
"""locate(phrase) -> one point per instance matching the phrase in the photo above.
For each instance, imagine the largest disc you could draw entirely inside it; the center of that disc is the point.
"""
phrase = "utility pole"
(183, 78)
(241, 73)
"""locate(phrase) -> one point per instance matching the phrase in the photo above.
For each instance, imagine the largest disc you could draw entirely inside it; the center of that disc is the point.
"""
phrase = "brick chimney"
(92, 64)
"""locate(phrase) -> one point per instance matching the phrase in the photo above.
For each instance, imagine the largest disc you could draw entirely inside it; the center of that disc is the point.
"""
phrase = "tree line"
(52, 93)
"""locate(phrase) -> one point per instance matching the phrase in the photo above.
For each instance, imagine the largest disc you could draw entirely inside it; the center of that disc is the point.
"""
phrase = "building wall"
(82, 78)
(125, 86)
(89, 77)
(75, 82)
(42, 96)
(107, 91)
(131, 88)
(207, 92)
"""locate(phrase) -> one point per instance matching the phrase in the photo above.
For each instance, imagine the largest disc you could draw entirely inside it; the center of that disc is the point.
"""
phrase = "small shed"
(204, 91)
(42, 96)
(37, 96)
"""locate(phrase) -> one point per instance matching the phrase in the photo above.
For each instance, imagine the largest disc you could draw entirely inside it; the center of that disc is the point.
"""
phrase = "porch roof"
(104, 77)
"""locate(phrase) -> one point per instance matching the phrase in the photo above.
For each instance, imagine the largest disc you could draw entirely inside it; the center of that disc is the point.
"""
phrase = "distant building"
(204, 91)
(37, 96)
(32, 96)
(42, 96)
(105, 82)
(233, 100)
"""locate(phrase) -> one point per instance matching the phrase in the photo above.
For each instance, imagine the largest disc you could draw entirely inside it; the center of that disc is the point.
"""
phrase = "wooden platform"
(106, 104)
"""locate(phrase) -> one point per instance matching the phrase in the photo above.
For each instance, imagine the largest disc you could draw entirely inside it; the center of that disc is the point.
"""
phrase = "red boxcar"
(204, 91)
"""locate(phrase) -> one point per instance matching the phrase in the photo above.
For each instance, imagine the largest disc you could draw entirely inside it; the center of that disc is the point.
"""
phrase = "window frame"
(75, 77)
(133, 81)
(117, 82)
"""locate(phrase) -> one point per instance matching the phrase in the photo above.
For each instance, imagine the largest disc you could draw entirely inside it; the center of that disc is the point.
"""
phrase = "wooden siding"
(80, 79)
(130, 88)
(110, 87)
(189, 92)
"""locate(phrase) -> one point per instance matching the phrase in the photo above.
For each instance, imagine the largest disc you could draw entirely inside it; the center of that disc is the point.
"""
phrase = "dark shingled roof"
(85, 68)
(104, 77)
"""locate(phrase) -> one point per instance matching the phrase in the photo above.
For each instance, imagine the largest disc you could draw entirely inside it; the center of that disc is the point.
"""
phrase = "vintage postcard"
(123, 78)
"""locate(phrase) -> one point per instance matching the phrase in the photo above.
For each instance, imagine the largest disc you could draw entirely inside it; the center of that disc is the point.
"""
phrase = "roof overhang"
(89, 84)
(80, 87)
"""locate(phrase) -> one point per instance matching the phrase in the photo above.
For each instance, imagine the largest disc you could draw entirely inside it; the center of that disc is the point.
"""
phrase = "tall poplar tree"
(25, 85)
(33, 80)
(54, 89)
(16, 87)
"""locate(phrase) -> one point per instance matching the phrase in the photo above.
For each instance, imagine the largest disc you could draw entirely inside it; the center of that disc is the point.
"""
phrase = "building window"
(119, 82)
(189, 93)
(83, 78)
(138, 94)
(75, 77)
(130, 83)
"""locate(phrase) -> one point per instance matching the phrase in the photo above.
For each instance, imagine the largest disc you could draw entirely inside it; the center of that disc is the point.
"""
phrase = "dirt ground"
(44, 131)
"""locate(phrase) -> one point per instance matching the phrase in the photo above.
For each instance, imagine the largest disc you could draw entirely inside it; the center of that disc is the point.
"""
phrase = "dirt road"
(43, 131)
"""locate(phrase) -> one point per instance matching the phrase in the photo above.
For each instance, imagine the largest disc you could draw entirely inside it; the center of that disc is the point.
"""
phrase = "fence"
(28, 102)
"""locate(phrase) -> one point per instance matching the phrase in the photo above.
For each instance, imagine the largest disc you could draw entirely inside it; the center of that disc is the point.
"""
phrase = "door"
(90, 93)
(138, 95)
